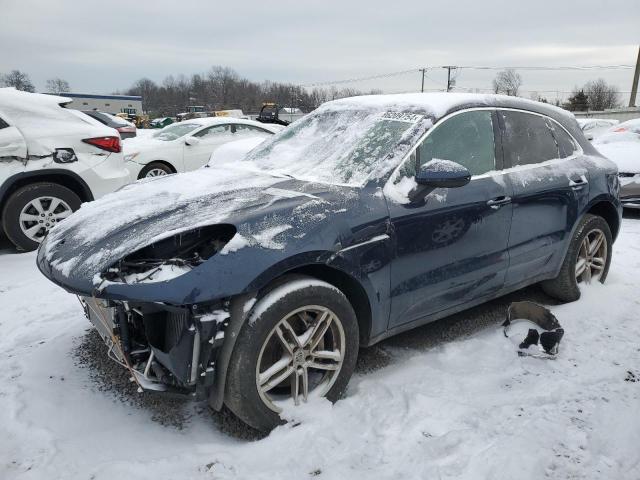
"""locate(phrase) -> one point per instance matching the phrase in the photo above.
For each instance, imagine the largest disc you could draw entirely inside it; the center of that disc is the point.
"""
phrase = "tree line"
(222, 88)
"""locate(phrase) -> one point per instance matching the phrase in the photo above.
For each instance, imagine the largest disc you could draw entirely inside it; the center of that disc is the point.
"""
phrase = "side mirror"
(442, 174)
(192, 141)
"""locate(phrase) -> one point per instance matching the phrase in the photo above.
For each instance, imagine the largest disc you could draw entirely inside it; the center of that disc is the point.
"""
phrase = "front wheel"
(588, 259)
(300, 342)
(155, 169)
(31, 211)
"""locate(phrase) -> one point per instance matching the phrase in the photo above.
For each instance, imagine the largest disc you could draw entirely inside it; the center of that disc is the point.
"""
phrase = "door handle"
(578, 183)
(497, 202)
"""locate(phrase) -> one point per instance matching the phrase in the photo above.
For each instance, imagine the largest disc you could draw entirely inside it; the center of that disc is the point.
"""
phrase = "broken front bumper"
(164, 348)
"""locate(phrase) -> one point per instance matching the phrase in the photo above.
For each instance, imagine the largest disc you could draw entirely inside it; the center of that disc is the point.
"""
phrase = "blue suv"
(254, 283)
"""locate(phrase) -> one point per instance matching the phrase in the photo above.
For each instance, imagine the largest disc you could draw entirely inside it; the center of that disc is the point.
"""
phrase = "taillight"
(620, 129)
(110, 144)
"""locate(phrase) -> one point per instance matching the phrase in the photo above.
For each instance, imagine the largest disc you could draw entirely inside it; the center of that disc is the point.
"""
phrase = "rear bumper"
(166, 349)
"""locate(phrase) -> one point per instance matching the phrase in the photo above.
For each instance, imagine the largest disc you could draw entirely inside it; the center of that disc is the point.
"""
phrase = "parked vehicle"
(270, 113)
(254, 284)
(51, 160)
(187, 145)
(125, 128)
(160, 122)
(621, 144)
(593, 127)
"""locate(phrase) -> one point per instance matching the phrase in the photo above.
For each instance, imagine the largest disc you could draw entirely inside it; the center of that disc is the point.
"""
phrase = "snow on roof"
(38, 115)
(437, 103)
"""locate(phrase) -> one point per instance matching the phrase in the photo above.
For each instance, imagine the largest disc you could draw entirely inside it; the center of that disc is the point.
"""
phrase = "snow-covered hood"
(105, 231)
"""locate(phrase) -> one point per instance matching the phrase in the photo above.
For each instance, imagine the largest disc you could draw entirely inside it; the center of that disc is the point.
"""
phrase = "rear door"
(452, 249)
(12, 143)
(550, 187)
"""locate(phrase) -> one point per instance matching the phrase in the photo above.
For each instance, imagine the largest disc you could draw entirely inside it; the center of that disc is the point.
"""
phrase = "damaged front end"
(165, 348)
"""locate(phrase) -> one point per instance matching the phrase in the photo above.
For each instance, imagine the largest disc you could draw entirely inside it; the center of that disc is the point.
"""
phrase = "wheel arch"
(163, 162)
(346, 283)
(605, 209)
(66, 178)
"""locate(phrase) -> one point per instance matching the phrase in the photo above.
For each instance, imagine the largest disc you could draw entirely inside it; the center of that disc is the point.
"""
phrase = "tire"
(19, 203)
(258, 344)
(154, 169)
(565, 286)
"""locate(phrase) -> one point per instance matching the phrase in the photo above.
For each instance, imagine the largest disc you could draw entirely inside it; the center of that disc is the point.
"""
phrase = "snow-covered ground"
(433, 406)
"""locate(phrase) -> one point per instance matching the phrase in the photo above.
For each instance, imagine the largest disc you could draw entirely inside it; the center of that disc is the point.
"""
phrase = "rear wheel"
(587, 259)
(304, 344)
(31, 211)
(155, 169)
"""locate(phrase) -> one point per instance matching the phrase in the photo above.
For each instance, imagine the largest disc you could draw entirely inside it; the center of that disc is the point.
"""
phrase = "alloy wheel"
(156, 172)
(301, 356)
(592, 257)
(41, 214)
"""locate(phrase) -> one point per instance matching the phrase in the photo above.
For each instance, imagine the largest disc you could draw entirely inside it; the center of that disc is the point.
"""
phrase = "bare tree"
(508, 82)
(17, 79)
(57, 85)
(601, 95)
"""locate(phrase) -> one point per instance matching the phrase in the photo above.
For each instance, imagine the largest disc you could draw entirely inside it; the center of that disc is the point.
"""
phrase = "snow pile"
(467, 409)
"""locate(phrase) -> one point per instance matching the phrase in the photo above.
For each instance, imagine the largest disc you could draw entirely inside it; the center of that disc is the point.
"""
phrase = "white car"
(621, 144)
(594, 127)
(51, 160)
(187, 145)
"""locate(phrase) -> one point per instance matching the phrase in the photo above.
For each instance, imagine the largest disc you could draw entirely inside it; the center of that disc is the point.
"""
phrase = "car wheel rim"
(301, 357)
(592, 257)
(156, 172)
(42, 214)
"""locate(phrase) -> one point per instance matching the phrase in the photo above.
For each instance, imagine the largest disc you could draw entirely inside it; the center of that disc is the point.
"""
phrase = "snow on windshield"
(175, 131)
(341, 144)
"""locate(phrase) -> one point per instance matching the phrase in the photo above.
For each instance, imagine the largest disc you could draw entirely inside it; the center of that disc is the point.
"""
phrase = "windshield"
(340, 145)
(175, 131)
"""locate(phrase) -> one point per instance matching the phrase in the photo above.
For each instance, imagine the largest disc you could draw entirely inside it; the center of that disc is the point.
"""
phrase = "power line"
(468, 67)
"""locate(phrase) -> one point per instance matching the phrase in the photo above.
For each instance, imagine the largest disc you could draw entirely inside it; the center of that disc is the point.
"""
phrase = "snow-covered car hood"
(105, 231)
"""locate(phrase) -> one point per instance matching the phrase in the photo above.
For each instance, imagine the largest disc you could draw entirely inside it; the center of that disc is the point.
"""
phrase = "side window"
(3, 124)
(214, 131)
(466, 138)
(250, 129)
(566, 144)
(527, 139)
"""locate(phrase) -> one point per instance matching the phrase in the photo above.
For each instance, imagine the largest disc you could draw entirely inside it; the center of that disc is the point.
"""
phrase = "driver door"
(196, 154)
(451, 249)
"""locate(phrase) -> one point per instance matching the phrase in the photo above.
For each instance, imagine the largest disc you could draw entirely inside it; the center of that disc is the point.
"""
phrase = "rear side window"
(565, 143)
(527, 139)
(3, 124)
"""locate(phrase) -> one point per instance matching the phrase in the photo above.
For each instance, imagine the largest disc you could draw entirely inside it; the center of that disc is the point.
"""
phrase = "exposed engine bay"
(164, 348)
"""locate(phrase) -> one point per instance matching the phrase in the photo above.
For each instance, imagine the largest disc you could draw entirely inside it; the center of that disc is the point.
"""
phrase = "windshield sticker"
(402, 117)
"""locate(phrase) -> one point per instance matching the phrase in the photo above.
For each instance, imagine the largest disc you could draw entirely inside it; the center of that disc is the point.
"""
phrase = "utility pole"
(634, 87)
(449, 68)
(422, 88)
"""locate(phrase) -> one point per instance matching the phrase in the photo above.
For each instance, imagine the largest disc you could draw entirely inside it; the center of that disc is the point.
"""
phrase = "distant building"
(622, 114)
(131, 104)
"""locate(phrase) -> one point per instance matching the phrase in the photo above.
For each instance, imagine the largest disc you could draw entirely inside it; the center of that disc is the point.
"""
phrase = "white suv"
(51, 160)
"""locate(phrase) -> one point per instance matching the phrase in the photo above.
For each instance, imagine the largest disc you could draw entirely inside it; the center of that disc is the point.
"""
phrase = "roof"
(438, 104)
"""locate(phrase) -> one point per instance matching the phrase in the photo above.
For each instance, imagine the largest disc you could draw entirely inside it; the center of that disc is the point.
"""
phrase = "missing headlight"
(171, 257)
